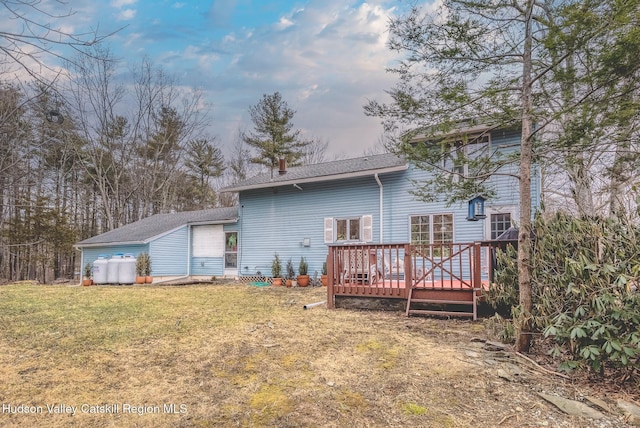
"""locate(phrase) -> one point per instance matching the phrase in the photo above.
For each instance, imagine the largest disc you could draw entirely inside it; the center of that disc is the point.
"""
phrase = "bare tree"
(315, 151)
(36, 32)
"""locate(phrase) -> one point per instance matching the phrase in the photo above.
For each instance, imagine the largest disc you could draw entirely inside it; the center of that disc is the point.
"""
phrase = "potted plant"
(147, 270)
(276, 270)
(87, 275)
(303, 277)
(291, 274)
(323, 277)
(141, 267)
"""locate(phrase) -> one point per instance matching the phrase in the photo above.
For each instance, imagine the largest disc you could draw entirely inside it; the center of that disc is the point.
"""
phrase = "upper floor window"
(456, 152)
(500, 222)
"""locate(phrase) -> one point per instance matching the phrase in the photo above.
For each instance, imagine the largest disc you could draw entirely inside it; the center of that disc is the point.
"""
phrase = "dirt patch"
(236, 355)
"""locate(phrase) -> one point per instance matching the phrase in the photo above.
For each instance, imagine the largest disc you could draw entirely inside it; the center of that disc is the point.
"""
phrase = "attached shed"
(188, 244)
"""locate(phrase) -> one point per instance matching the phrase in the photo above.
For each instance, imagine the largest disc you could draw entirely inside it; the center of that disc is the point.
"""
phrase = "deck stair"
(442, 302)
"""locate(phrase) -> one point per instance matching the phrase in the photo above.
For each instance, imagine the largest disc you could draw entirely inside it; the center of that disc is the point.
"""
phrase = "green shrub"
(584, 275)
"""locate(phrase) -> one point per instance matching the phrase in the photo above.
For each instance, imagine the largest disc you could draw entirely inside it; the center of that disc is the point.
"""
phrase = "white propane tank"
(100, 269)
(113, 268)
(127, 270)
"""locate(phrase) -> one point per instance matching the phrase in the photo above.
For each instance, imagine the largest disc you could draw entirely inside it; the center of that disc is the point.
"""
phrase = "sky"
(326, 57)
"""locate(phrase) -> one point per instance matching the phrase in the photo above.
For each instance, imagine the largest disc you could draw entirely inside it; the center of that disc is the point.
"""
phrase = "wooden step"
(443, 302)
(440, 313)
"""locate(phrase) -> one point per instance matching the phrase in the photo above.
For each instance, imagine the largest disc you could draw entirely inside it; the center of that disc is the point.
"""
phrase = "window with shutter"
(349, 229)
(367, 228)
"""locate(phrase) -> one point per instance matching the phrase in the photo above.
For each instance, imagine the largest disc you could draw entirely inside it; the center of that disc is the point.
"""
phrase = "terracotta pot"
(140, 279)
(87, 282)
(303, 280)
(324, 280)
(148, 279)
(288, 282)
(277, 282)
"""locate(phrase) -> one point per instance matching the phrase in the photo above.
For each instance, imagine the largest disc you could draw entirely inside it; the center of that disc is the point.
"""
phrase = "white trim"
(158, 236)
(494, 209)
(208, 241)
(430, 215)
(498, 209)
(367, 228)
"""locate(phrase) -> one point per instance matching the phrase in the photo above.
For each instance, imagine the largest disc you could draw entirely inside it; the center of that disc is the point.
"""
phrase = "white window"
(348, 229)
(499, 223)
(208, 241)
(499, 219)
(432, 229)
(456, 152)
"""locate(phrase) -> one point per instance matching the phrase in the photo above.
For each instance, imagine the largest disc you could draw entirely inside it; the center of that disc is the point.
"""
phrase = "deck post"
(408, 267)
(330, 279)
(477, 267)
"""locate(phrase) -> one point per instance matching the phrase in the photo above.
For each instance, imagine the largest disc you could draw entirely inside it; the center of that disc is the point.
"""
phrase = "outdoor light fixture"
(476, 209)
(306, 242)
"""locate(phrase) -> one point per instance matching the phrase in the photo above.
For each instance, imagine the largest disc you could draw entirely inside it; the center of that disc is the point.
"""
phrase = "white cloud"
(284, 23)
(118, 4)
(327, 61)
(126, 15)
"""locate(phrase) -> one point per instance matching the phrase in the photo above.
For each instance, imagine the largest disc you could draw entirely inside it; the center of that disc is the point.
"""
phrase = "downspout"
(81, 263)
(189, 250)
(381, 205)
(240, 246)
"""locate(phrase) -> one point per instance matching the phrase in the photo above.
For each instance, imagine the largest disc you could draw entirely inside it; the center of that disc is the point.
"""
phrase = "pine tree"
(273, 136)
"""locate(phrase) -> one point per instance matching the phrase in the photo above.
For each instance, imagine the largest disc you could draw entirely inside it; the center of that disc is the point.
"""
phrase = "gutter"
(317, 179)
(381, 206)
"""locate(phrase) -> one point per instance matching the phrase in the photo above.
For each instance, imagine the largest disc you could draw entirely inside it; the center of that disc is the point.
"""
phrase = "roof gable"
(147, 229)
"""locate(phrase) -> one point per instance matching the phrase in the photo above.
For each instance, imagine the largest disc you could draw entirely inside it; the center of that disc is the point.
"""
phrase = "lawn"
(234, 355)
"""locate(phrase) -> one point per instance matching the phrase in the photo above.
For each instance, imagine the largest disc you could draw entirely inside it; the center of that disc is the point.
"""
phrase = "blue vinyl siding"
(169, 253)
(90, 254)
(207, 266)
(278, 219)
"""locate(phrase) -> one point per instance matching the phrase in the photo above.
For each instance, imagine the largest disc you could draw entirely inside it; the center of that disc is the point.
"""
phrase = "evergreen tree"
(273, 136)
(512, 64)
(203, 161)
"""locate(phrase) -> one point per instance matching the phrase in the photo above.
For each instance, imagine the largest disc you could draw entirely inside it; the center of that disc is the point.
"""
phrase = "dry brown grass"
(236, 355)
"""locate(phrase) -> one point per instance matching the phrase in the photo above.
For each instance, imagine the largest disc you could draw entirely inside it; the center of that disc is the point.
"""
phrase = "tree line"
(89, 154)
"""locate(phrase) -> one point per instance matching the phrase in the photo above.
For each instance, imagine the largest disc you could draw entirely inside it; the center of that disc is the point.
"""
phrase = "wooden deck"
(443, 276)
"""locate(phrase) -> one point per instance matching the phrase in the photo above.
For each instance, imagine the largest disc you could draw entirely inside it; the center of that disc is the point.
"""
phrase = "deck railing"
(390, 270)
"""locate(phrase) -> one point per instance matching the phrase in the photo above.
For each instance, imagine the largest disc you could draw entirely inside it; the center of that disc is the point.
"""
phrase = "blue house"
(300, 211)
(188, 244)
(305, 211)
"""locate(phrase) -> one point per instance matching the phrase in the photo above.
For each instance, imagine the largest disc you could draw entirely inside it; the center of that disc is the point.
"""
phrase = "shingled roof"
(335, 170)
(143, 231)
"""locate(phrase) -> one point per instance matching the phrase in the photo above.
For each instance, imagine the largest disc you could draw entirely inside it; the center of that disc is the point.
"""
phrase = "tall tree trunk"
(524, 237)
